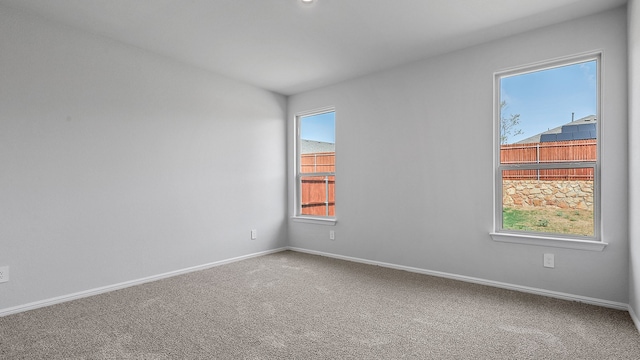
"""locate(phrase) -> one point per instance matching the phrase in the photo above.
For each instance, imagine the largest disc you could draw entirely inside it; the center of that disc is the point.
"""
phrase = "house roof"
(310, 146)
(574, 130)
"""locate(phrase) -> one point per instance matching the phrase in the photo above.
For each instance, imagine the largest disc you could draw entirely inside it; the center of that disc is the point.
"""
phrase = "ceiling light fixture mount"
(307, 2)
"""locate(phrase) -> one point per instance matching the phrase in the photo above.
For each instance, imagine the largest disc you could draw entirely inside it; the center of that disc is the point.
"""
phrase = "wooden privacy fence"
(318, 192)
(549, 152)
(318, 195)
(318, 162)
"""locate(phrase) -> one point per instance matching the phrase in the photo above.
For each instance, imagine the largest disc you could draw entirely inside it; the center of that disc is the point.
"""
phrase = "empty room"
(319, 179)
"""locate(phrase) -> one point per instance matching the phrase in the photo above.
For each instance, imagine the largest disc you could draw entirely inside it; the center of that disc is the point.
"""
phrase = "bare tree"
(508, 124)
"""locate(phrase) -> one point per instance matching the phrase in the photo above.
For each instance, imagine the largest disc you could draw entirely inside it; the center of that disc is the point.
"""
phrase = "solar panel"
(548, 137)
(569, 128)
(582, 135)
(564, 136)
(587, 127)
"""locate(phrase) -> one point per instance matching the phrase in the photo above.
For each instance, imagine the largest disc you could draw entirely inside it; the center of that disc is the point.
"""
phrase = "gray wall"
(428, 129)
(634, 156)
(118, 164)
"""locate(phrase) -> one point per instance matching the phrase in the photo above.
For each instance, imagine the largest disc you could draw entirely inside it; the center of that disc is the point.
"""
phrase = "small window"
(547, 145)
(316, 165)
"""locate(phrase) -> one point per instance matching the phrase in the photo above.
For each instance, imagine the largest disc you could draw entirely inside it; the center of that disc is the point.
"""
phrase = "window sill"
(549, 241)
(314, 220)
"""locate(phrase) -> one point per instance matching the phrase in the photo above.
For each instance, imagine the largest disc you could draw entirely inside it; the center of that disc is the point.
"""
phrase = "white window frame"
(595, 242)
(298, 216)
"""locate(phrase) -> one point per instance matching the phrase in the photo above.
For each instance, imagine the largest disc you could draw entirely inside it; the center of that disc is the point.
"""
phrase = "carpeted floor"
(297, 306)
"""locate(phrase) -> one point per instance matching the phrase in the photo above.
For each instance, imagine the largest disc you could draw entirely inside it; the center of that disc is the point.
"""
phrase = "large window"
(547, 146)
(315, 164)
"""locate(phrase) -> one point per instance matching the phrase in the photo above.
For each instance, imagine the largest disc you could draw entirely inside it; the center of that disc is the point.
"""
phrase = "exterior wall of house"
(118, 164)
(438, 208)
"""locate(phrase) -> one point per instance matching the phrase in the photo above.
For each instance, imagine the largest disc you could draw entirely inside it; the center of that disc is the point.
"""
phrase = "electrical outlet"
(332, 235)
(4, 274)
(254, 234)
(549, 261)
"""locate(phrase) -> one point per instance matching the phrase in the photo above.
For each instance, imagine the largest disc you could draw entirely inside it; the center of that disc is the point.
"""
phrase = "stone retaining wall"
(569, 194)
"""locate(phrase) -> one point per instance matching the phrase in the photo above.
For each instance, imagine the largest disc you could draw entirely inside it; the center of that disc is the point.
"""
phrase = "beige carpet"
(298, 306)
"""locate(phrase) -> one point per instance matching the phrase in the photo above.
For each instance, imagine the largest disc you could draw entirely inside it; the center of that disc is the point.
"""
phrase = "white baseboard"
(634, 317)
(126, 284)
(525, 289)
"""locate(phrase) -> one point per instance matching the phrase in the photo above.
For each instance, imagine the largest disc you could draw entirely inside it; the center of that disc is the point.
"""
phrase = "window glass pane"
(318, 195)
(317, 160)
(557, 105)
(548, 147)
(557, 201)
(318, 133)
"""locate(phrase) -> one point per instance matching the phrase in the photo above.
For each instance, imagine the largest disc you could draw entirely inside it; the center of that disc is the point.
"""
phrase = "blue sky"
(320, 127)
(545, 99)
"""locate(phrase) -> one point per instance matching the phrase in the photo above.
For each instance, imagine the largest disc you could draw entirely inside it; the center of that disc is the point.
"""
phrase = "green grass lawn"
(559, 221)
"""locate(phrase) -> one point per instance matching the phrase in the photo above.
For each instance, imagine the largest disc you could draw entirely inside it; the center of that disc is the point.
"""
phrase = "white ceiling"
(288, 47)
